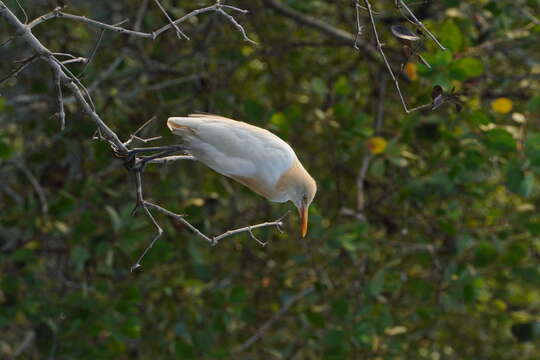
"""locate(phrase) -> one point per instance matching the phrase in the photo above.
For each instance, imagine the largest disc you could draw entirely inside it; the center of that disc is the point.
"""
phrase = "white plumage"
(250, 155)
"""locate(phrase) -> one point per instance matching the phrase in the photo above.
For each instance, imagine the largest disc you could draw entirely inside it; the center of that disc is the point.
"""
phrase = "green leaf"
(514, 253)
(2, 103)
(450, 36)
(318, 85)
(238, 295)
(5, 150)
(532, 149)
(465, 68)
(376, 284)
(315, 319)
(341, 87)
(485, 254)
(500, 141)
(480, 118)
(79, 256)
(514, 177)
(340, 307)
(534, 104)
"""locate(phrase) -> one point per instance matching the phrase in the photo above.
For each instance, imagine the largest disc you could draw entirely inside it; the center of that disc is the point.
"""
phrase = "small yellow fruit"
(502, 105)
(410, 71)
(376, 145)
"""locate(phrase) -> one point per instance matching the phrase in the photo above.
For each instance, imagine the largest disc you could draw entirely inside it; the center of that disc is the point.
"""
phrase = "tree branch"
(130, 156)
(323, 27)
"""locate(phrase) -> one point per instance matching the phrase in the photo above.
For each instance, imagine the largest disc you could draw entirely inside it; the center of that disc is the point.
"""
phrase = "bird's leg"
(158, 148)
(140, 163)
(139, 202)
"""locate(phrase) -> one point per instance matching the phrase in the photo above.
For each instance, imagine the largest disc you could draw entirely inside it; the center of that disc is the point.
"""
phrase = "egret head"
(304, 191)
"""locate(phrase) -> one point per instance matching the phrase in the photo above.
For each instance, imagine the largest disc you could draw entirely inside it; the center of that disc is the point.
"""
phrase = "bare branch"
(60, 100)
(93, 52)
(75, 60)
(131, 157)
(57, 13)
(388, 67)
(23, 64)
(179, 33)
(358, 25)
(278, 223)
(420, 24)
(235, 23)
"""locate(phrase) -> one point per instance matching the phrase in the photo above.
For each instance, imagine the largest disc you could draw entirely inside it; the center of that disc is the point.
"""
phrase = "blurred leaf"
(465, 68)
(518, 181)
(450, 36)
(79, 256)
(376, 284)
(500, 140)
(485, 254)
(533, 105)
(532, 149)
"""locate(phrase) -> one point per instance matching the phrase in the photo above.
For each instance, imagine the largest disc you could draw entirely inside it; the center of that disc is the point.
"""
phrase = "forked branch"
(135, 158)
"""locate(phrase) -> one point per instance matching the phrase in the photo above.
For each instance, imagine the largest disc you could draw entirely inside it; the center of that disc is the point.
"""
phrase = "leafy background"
(443, 263)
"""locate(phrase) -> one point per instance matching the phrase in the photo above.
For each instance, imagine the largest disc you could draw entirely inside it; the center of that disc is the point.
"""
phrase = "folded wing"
(235, 149)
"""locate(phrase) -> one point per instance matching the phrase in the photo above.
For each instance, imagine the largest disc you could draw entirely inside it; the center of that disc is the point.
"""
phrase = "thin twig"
(93, 52)
(141, 128)
(368, 157)
(60, 100)
(388, 67)
(420, 24)
(23, 64)
(76, 60)
(179, 33)
(35, 184)
(358, 25)
(268, 324)
(235, 23)
(57, 13)
(23, 11)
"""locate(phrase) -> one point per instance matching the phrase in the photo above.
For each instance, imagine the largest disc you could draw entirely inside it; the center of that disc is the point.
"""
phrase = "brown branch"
(322, 27)
(218, 7)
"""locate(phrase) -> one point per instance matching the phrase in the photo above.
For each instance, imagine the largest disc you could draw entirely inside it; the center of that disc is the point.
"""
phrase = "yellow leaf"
(396, 330)
(410, 71)
(376, 145)
(502, 105)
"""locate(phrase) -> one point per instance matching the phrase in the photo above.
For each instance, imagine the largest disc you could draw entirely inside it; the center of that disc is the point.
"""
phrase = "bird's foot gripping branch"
(135, 159)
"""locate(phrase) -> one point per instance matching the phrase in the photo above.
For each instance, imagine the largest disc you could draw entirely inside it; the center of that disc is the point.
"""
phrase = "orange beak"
(303, 211)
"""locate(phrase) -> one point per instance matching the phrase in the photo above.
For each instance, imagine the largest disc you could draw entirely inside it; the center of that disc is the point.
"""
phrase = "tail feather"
(180, 125)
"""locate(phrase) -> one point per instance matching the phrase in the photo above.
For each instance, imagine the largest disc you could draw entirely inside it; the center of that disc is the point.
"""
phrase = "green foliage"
(442, 263)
